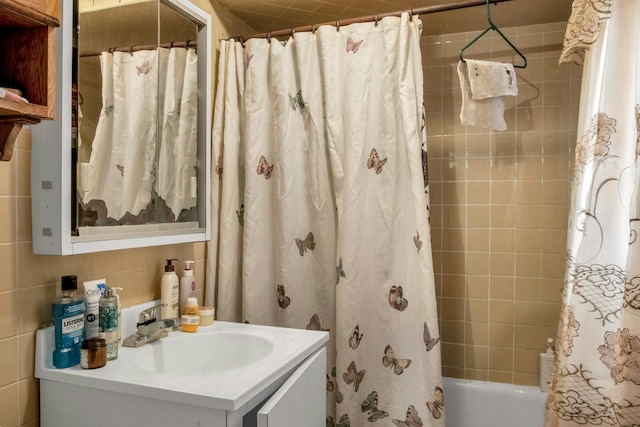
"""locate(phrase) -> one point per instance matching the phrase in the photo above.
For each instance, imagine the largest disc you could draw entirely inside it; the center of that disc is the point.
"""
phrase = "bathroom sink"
(183, 355)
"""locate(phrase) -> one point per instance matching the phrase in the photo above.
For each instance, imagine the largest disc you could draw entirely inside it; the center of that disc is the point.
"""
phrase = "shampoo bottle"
(68, 318)
(169, 290)
(546, 364)
(108, 322)
(187, 285)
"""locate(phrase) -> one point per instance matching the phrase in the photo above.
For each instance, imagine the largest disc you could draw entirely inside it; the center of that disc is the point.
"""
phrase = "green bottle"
(108, 322)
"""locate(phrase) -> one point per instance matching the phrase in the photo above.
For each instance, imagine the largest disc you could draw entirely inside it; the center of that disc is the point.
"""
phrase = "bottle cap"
(108, 292)
(170, 267)
(192, 301)
(69, 283)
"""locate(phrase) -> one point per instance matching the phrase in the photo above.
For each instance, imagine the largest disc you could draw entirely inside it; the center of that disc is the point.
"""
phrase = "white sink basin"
(193, 354)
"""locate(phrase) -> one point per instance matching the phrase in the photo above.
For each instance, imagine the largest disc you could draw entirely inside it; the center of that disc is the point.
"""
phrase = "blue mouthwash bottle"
(68, 319)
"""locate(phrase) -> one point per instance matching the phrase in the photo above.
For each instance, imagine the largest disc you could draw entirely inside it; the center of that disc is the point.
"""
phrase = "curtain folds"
(596, 377)
(322, 219)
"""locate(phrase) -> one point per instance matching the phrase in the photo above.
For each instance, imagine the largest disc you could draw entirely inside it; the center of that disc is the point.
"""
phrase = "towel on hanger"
(491, 79)
(491, 82)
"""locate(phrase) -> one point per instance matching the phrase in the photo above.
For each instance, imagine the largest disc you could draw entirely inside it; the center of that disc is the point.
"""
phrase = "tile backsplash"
(499, 204)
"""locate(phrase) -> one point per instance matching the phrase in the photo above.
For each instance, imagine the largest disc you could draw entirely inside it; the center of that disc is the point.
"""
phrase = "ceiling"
(274, 15)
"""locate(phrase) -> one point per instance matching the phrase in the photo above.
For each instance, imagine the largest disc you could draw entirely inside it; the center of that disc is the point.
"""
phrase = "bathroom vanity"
(226, 374)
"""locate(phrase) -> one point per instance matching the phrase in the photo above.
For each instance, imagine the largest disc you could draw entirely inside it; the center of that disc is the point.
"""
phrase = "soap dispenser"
(546, 365)
(169, 290)
(187, 285)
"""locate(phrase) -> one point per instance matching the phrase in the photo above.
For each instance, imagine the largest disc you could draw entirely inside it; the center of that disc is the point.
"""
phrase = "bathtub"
(486, 404)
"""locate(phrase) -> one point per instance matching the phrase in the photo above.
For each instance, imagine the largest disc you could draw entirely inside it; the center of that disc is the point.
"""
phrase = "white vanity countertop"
(224, 389)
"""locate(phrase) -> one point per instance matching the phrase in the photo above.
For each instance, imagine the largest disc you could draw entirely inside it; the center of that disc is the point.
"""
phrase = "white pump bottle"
(187, 285)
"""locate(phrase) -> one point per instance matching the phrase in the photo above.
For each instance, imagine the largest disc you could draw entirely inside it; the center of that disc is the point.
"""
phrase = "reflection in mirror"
(136, 115)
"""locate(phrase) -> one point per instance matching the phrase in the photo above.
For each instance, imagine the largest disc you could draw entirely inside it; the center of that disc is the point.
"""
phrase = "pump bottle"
(546, 365)
(169, 290)
(187, 285)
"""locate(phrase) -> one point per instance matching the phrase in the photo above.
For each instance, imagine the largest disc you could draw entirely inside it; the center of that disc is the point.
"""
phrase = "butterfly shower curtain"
(322, 219)
(596, 378)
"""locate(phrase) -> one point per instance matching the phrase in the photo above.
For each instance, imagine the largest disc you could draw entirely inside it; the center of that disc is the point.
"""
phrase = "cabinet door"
(301, 401)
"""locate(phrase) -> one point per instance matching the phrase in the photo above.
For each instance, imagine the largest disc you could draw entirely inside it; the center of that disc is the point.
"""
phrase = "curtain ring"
(337, 26)
(171, 44)
(131, 50)
(410, 12)
(269, 36)
(376, 19)
(293, 31)
(313, 28)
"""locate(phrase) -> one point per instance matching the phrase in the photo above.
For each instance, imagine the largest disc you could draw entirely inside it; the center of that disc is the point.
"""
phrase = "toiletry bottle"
(93, 290)
(187, 285)
(546, 364)
(108, 323)
(115, 294)
(68, 318)
(191, 307)
(169, 290)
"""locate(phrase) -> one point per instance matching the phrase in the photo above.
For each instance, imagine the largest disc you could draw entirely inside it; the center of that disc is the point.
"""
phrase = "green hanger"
(493, 27)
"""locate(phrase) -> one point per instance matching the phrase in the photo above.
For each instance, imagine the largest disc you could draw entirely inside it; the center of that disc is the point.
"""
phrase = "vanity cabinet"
(27, 43)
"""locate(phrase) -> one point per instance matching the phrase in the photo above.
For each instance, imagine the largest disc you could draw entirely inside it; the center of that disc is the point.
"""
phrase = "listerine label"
(73, 324)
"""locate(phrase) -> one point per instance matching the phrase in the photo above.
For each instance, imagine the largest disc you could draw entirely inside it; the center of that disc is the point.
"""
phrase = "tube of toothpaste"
(93, 290)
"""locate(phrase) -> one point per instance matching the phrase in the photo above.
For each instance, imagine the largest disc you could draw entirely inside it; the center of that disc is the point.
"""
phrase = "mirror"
(133, 111)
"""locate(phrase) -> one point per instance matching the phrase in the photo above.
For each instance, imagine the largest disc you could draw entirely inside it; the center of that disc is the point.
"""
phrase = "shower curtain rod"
(135, 48)
(371, 18)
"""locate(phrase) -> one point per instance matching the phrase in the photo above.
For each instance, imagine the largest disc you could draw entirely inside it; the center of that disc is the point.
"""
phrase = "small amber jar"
(93, 353)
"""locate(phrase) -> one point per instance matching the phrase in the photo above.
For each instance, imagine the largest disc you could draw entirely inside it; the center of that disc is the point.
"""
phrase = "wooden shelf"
(27, 43)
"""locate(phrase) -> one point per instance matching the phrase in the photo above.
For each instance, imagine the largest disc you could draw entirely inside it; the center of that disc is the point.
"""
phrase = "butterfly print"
(375, 162)
(240, 215)
(144, 68)
(283, 300)
(354, 340)
(396, 300)
(121, 169)
(340, 272)
(353, 46)
(412, 419)
(353, 376)
(370, 405)
(339, 397)
(330, 385)
(343, 422)
(108, 110)
(306, 244)
(389, 359)
(417, 241)
(437, 406)
(219, 166)
(264, 168)
(428, 340)
(314, 324)
(297, 101)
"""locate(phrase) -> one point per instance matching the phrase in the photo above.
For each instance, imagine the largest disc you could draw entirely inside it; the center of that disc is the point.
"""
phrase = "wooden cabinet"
(27, 61)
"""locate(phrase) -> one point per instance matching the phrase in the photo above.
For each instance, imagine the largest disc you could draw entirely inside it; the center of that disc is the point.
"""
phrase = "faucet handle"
(148, 315)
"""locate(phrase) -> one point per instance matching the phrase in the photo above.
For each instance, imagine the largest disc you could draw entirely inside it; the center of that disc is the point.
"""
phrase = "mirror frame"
(51, 165)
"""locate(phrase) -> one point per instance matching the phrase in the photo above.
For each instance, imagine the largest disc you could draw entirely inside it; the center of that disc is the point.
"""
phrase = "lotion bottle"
(546, 365)
(108, 322)
(187, 285)
(169, 290)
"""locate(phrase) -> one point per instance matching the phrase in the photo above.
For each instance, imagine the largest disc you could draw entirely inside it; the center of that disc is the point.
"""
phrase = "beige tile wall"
(28, 282)
(499, 205)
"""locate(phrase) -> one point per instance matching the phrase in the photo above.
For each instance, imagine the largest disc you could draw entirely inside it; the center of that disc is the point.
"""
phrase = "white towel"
(491, 79)
(485, 113)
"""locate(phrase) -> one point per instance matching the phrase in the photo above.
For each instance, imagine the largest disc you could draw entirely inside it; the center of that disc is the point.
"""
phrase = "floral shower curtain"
(596, 377)
(322, 219)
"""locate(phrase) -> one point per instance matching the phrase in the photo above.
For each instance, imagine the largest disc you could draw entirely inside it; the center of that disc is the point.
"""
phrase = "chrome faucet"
(150, 328)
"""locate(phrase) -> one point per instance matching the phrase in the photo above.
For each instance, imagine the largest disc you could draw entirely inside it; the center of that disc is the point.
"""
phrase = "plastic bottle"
(187, 285)
(169, 290)
(546, 364)
(115, 294)
(108, 322)
(191, 307)
(68, 318)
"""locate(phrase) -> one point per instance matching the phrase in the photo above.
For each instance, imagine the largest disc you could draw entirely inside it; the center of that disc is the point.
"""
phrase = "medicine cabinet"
(126, 162)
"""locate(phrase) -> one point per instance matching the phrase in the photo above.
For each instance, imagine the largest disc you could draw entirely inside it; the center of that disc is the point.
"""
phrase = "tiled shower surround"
(499, 204)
